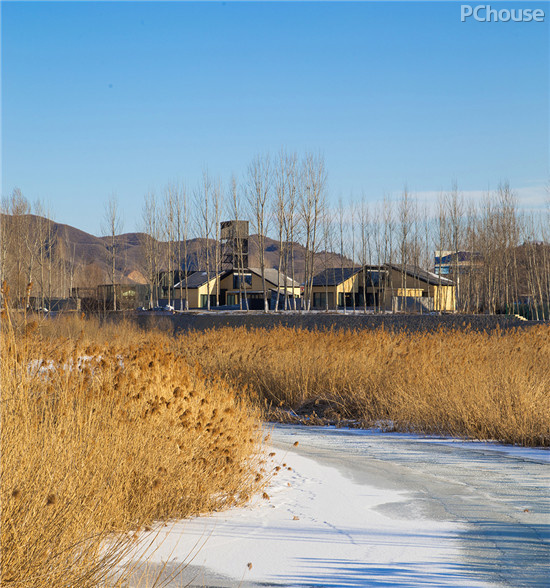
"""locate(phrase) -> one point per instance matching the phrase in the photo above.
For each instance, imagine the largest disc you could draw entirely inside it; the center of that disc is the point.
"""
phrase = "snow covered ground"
(354, 508)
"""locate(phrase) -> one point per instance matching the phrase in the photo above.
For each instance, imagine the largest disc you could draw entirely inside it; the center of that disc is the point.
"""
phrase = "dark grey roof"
(272, 275)
(424, 275)
(334, 275)
(199, 278)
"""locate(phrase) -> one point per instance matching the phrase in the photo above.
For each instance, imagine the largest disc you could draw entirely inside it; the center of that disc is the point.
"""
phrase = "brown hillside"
(85, 256)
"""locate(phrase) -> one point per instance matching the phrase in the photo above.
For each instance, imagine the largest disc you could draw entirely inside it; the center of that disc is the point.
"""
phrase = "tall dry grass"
(100, 439)
(459, 382)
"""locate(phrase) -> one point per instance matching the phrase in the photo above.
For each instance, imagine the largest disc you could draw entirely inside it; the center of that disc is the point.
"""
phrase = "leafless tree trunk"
(291, 217)
(182, 232)
(203, 198)
(379, 292)
(170, 228)
(312, 202)
(17, 254)
(238, 244)
(365, 246)
(405, 223)
(111, 227)
(41, 232)
(4, 249)
(217, 195)
(440, 244)
(328, 234)
(455, 211)
(52, 240)
(150, 245)
(341, 226)
(279, 213)
(353, 213)
(258, 193)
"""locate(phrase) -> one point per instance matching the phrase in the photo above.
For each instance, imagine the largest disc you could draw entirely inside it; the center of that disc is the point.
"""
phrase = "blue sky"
(102, 97)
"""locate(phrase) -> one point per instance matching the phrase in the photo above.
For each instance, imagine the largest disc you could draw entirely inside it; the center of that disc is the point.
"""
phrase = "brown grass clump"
(457, 382)
(102, 438)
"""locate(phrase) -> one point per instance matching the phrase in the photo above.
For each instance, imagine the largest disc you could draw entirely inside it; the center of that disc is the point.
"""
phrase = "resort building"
(233, 288)
(387, 287)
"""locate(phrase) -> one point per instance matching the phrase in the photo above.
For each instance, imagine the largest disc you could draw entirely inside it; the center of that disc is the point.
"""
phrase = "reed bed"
(103, 434)
(108, 429)
(455, 382)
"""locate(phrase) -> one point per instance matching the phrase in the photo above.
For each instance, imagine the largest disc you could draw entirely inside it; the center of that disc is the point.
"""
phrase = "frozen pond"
(360, 508)
(501, 493)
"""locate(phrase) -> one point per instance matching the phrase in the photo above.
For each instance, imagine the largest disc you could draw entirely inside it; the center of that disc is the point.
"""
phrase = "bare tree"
(258, 192)
(52, 240)
(283, 184)
(312, 202)
(15, 237)
(182, 233)
(217, 198)
(238, 242)
(405, 223)
(26, 251)
(378, 237)
(441, 240)
(365, 245)
(291, 218)
(454, 205)
(203, 197)
(4, 247)
(388, 236)
(352, 224)
(150, 245)
(168, 231)
(41, 234)
(341, 225)
(328, 246)
(111, 227)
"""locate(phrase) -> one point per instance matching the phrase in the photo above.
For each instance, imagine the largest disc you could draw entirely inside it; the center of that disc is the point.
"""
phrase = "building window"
(245, 279)
(319, 300)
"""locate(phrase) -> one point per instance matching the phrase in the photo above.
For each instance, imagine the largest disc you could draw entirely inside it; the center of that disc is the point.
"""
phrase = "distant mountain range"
(86, 256)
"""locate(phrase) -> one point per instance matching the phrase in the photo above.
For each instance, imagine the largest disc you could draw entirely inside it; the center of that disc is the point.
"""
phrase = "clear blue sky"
(102, 97)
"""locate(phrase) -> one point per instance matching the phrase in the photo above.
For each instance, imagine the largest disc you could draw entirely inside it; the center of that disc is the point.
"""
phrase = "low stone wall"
(322, 321)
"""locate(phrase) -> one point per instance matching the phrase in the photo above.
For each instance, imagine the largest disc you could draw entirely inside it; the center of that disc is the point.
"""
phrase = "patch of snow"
(42, 367)
(319, 528)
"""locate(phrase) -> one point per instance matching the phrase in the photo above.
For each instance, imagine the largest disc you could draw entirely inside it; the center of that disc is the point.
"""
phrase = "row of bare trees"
(30, 253)
(285, 195)
(503, 265)
(498, 256)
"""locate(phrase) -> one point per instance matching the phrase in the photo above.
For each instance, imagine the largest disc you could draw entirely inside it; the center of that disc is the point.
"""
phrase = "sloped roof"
(423, 275)
(199, 278)
(459, 256)
(272, 275)
(334, 276)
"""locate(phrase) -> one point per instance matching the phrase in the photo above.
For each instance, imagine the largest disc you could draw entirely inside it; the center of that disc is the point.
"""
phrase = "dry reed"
(100, 439)
(459, 382)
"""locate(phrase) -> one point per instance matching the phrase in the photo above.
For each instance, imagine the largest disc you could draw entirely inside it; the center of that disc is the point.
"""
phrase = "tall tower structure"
(234, 244)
